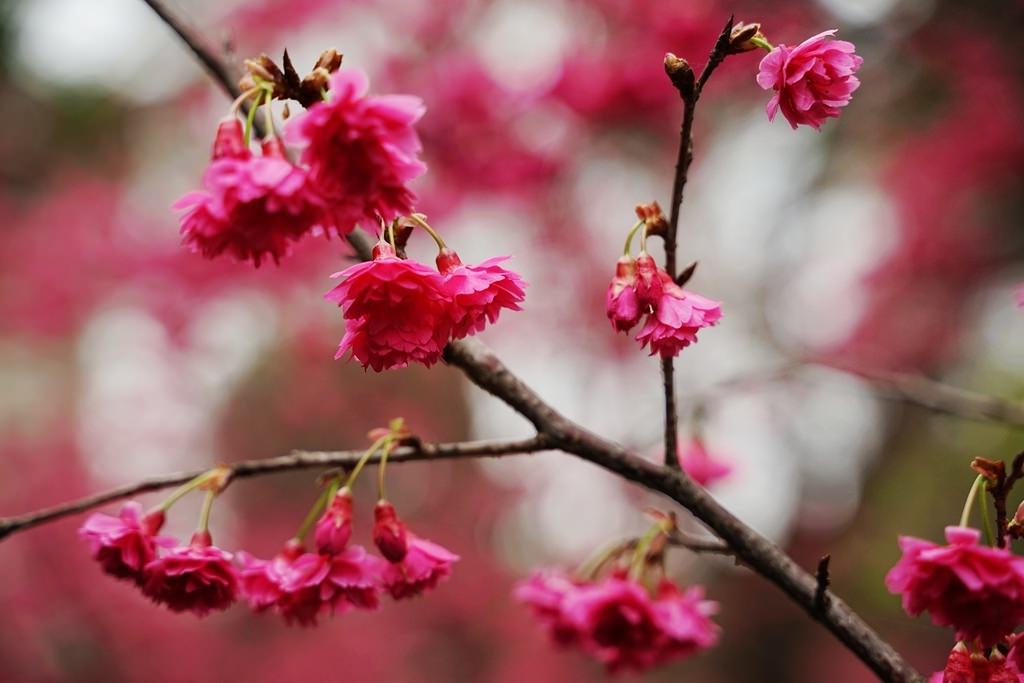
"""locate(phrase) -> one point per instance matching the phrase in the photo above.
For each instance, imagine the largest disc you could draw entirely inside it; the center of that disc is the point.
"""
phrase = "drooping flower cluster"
(978, 591)
(197, 577)
(302, 586)
(627, 619)
(399, 311)
(812, 81)
(358, 154)
(674, 315)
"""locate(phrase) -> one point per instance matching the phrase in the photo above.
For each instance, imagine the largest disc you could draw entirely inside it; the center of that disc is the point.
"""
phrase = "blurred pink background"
(892, 240)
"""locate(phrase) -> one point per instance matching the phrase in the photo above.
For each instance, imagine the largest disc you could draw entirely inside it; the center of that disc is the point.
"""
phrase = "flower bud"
(335, 526)
(229, 142)
(648, 280)
(447, 261)
(742, 37)
(681, 75)
(201, 539)
(152, 522)
(329, 59)
(389, 534)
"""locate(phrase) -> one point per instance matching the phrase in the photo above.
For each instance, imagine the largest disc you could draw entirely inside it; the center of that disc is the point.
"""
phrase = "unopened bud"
(229, 142)
(334, 528)
(743, 36)
(389, 534)
(681, 75)
(993, 470)
(329, 60)
(447, 261)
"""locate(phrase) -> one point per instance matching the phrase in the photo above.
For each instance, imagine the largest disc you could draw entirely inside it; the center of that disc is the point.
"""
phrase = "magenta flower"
(361, 151)
(302, 586)
(963, 666)
(676, 319)
(702, 467)
(251, 206)
(650, 281)
(198, 578)
(334, 528)
(425, 564)
(979, 591)
(389, 532)
(618, 622)
(478, 293)
(125, 544)
(396, 311)
(812, 81)
(621, 303)
(544, 593)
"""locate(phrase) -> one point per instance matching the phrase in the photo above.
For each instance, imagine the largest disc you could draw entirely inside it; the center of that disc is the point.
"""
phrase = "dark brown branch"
(1000, 488)
(689, 94)
(752, 549)
(297, 460)
(697, 544)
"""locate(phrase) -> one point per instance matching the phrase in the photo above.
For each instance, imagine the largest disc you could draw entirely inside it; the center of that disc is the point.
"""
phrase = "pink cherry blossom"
(677, 317)
(545, 592)
(396, 311)
(621, 303)
(977, 590)
(702, 467)
(618, 621)
(812, 81)
(334, 528)
(125, 544)
(252, 207)
(478, 293)
(361, 150)
(195, 578)
(650, 281)
(425, 564)
(302, 586)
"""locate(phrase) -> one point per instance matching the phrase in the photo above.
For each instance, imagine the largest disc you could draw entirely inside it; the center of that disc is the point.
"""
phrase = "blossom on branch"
(196, 578)
(812, 81)
(125, 544)
(361, 150)
(676, 319)
(478, 293)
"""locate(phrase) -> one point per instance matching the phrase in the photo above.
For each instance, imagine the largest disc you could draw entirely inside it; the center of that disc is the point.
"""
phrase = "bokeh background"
(890, 241)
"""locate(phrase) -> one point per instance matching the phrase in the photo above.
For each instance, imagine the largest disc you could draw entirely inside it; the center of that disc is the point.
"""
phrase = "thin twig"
(689, 95)
(296, 460)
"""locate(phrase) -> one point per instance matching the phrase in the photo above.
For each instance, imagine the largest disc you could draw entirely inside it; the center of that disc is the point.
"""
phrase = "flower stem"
(314, 512)
(250, 119)
(420, 220)
(965, 516)
(380, 469)
(629, 238)
(268, 113)
(986, 521)
(184, 489)
(366, 456)
(204, 514)
(640, 554)
(762, 43)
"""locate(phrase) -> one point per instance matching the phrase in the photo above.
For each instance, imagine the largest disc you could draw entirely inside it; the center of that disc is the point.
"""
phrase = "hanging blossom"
(252, 206)
(334, 529)
(812, 81)
(361, 150)
(415, 565)
(978, 591)
(478, 293)
(198, 578)
(701, 465)
(620, 622)
(396, 311)
(125, 544)
(674, 315)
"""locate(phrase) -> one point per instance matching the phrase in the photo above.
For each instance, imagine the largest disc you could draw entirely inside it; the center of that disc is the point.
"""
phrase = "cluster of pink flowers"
(619, 621)
(674, 315)
(198, 577)
(812, 81)
(299, 585)
(358, 153)
(399, 311)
